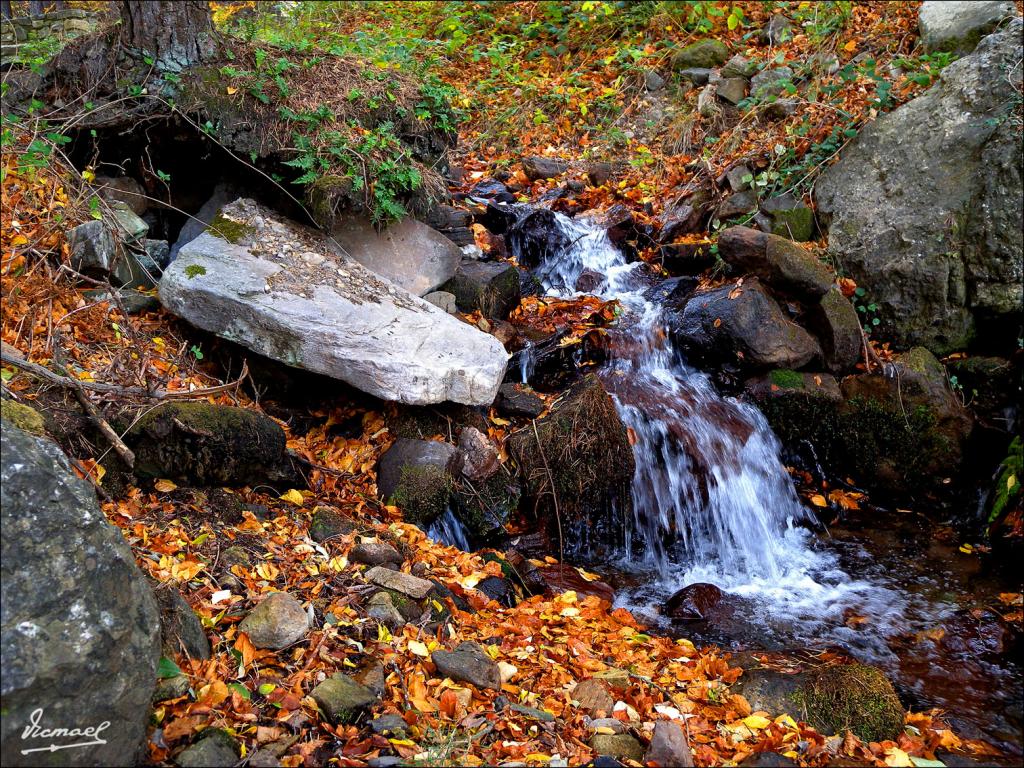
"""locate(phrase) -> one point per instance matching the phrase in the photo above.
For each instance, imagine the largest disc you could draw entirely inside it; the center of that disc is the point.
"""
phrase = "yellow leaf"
(19, 240)
(415, 646)
(897, 758)
(850, 47)
(1011, 481)
(232, 90)
(89, 174)
(164, 486)
(383, 635)
(966, 548)
(294, 496)
(818, 500)
(756, 722)
(500, 421)
(493, 651)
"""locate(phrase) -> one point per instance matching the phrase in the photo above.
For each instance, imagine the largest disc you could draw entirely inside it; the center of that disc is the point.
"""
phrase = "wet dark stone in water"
(536, 237)
(694, 602)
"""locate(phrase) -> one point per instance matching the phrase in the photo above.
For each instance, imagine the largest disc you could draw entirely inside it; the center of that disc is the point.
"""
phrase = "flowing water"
(713, 503)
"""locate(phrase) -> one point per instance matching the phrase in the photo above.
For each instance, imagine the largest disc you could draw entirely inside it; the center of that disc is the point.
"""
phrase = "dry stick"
(554, 495)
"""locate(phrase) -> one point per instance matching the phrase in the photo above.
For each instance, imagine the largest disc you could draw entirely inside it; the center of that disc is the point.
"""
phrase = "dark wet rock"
(669, 746)
(925, 207)
(537, 168)
(736, 204)
(791, 218)
(491, 287)
(81, 631)
(695, 602)
(696, 75)
(468, 663)
(744, 327)
(686, 258)
(389, 725)
(672, 292)
(903, 431)
(555, 579)
(477, 457)
(593, 696)
(682, 218)
(707, 53)
(498, 218)
(375, 553)
(397, 581)
(181, 629)
(536, 236)
(590, 281)
(373, 676)
(836, 324)
(801, 408)
(215, 749)
(277, 622)
(491, 189)
(519, 400)
(342, 699)
(778, 30)
(579, 452)
(552, 366)
(620, 225)
(619, 745)
(204, 444)
(993, 387)
(414, 475)
(780, 263)
(499, 590)
(600, 173)
(329, 524)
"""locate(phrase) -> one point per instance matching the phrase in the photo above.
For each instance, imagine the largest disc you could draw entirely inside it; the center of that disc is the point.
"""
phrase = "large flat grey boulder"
(80, 626)
(954, 25)
(410, 254)
(287, 292)
(925, 205)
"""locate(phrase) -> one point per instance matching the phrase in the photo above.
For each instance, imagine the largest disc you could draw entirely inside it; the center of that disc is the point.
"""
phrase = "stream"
(713, 503)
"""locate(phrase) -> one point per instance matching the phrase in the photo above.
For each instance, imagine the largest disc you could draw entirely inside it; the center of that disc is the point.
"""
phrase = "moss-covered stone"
(704, 54)
(801, 408)
(328, 524)
(342, 699)
(485, 507)
(786, 378)
(1008, 484)
(23, 417)
(795, 224)
(422, 493)
(229, 229)
(853, 697)
(577, 464)
(203, 444)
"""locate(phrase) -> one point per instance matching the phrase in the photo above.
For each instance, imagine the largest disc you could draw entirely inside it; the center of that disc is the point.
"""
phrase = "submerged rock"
(925, 206)
(285, 291)
(81, 629)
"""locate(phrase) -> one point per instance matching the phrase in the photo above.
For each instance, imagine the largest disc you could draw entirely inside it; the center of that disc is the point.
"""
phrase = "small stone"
(328, 524)
(543, 167)
(215, 750)
(739, 66)
(615, 677)
(620, 746)
(264, 758)
(653, 81)
(442, 300)
(381, 608)
(277, 622)
(704, 53)
(519, 400)
(385, 761)
(599, 173)
(770, 82)
(669, 746)
(342, 699)
(372, 676)
(478, 457)
(592, 695)
(696, 75)
(736, 204)
(235, 555)
(171, 688)
(181, 629)
(779, 30)
(607, 722)
(389, 724)
(404, 583)
(468, 663)
(732, 89)
(375, 553)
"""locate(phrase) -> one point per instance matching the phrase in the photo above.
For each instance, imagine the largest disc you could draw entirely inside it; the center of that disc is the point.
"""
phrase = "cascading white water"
(448, 529)
(712, 501)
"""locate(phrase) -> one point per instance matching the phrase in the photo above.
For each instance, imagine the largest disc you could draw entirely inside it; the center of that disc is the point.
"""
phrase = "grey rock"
(128, 227)
(223, 194)
(478, 458)
(134, 302)
(669, 746)
(537, 167)
(748, 330)
(704, 54)
(342, 699)
(619, 746)
(696, 75)
(607, 722)
(778, 30)
(384, 761)
(329, 524)
(598, 173)
(375, 553)
(80, 627)
(791, 218)
(468, 663)
(768, 82)
(781, 263)
(408, 253)
(653, 81)
(397, 581)
(442, 300)
(739, 66)
(388, 724)
(519, 400)
(414, 474)
(277, 622)
(264, 758)
(171, 688)
(957, 26)
(492, 287)
(122, 189)
(381, 608)
(779, 109)
(215, 750)
(92, 246)
(836, 324)
(181, 629)
(336, 318)
(736, 204)
(735, 177)
(925, 205)
(732, 89)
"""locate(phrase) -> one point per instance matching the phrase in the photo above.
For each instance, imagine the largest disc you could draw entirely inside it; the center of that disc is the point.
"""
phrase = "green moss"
(1008, 484)
(422, 493)
(485, 508)
(786, 379)
(23, 417)
(853, 697)
(229, 229)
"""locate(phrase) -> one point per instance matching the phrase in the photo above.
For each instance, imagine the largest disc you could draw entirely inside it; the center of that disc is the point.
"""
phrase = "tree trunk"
(175, 33)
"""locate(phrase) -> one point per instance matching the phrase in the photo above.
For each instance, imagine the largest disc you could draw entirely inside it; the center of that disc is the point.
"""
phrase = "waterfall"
(448, 529)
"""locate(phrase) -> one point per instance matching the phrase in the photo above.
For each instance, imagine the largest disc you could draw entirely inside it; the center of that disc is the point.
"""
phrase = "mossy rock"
(22, 416)
(203, 444)
(795, 224)
(486, 507)
(576, 464)
(853, 697)
(704, 54)
(229, 229)
(422, 493)
(800, 408)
